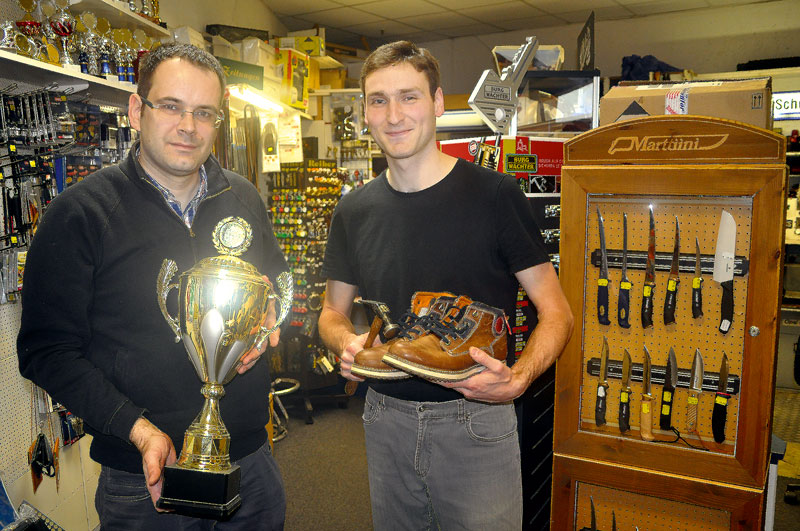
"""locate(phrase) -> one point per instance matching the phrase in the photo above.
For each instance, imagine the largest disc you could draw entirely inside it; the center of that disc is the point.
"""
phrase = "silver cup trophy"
(223, 301)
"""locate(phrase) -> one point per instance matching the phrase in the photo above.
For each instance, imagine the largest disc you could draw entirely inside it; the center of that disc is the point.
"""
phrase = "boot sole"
(378, 374)
(434, 375)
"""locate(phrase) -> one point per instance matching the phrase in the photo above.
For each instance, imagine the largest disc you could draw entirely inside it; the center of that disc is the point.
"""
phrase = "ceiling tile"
(460, 4)
(341, 17)
(555, 7)
(395, 9)
(544, 21)
(651, 8)
(295, 7)
(436, 21)
(350, 2)
(384, 28)
(294, 24)
(505, 10)
(602, 13)
(466, 31)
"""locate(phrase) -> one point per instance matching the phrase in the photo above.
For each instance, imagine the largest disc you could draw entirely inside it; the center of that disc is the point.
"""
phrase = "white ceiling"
(369, 23)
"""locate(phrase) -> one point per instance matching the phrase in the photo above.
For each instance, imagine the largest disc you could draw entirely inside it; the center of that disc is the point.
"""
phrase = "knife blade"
(668, 391)
(649, 275)
(720, 413)
(723, 268)
(613, 521)
(602, 387)
(697, 283)
(602, 281)
(624, 302)
(625, 394)
(674, 279)
(646, 414)
(695, 388)
(593, 522)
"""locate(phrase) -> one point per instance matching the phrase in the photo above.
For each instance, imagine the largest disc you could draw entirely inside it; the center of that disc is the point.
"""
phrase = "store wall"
(708, 40)
(198, 14)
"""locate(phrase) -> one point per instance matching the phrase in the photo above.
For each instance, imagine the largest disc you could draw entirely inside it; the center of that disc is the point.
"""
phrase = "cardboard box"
(332, 78)
(294, 68)
(746, 100)
(189, 35)
(312, 45)
(223, 48)
(260, 53)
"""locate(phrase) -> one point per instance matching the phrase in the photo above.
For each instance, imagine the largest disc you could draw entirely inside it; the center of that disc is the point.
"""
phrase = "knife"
(720, 413)
(593, 523)
(625, 394)
(613, 521)
(649, 276)
(624, 303)
(646, 418)
(668, 391)
(723, 268)
(602, 282)
(674, 280)
(602, 387)
(697, 283)
(695, 388)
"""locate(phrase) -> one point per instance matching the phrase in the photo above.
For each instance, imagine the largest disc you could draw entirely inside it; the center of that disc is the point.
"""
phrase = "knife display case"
(695, 170)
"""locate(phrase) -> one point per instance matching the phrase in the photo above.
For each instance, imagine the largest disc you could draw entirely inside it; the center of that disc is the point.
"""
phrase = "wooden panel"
(697, 194)
(647, 500)
(676, 139)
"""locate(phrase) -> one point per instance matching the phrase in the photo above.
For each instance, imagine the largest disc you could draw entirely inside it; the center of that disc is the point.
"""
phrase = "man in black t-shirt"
(440, 455)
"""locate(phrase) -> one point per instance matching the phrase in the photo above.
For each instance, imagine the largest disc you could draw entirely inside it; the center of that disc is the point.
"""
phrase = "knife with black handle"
(674, 279)
(624, 301)
(719, 415)
(668, 391)
(649, 275)
(602, 387)
(697, 284)
(602, 281)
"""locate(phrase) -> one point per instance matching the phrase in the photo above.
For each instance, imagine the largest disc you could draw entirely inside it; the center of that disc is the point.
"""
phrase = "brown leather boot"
(427, 307)
(443, 354)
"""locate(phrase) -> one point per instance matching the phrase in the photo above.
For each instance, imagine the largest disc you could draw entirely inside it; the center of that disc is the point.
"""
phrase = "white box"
(189, 35)
(223, 48)
(257, 52)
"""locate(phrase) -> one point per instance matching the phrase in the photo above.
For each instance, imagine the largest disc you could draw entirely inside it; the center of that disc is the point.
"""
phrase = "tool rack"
(692, 168)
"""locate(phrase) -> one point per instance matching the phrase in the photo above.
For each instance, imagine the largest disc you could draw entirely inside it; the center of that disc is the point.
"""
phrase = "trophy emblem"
(223, 301)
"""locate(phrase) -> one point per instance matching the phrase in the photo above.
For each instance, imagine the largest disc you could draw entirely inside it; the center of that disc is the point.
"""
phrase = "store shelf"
(326, 62)
(118, 14)
(37, 73)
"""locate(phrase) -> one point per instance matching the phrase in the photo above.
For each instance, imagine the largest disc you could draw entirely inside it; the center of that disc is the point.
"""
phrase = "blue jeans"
(449, 465)
(123, 502)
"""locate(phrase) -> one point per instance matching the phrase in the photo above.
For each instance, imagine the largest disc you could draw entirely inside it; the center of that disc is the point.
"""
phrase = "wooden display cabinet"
(689, 169)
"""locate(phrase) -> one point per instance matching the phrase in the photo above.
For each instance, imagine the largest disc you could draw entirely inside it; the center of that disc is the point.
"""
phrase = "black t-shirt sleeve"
(519, 238)
(336, 265)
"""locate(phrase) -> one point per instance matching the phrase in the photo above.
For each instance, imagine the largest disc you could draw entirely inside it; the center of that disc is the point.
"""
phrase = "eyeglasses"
(203, 116)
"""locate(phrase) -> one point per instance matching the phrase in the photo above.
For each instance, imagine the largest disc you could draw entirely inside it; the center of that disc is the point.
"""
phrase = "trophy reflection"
(223, 302)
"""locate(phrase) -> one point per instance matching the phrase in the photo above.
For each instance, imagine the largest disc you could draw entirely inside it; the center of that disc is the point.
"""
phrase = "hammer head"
(380, 309)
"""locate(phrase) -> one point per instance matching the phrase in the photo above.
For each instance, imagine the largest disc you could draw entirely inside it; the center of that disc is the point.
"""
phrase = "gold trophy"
(223, 301)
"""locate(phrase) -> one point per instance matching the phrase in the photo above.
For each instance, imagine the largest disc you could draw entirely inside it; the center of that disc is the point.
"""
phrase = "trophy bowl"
(223, 302)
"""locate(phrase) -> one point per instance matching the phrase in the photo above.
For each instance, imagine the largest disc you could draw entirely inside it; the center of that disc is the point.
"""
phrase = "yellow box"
(312, 45)
(294, 69)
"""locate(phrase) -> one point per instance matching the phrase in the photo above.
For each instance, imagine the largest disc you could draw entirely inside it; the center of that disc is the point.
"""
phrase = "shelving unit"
(118, 14)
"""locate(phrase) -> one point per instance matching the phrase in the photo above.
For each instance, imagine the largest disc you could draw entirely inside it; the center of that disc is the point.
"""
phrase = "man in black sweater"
(92, 333)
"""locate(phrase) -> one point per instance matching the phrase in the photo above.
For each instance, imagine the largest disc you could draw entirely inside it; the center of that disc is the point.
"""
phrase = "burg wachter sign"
(786, 106)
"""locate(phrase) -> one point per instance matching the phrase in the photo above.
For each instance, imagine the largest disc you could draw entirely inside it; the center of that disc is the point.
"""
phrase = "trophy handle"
(168, 270)
(286, 287)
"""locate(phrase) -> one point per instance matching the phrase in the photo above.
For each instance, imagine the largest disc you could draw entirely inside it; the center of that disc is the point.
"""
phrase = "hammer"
(381, 320)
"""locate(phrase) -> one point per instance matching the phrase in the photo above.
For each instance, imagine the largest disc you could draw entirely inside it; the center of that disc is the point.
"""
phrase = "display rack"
(691, 169)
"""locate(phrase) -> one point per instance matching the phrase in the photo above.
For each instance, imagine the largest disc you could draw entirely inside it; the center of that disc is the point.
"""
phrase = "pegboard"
(15, 400)
(632, 510)
(697, 217)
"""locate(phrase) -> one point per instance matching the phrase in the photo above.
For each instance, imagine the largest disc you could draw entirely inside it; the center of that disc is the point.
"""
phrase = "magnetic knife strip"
(638, 260)
(657, 375)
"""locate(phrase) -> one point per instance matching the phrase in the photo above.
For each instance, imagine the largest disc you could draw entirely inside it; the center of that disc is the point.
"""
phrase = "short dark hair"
(189, 52)
(403, 51)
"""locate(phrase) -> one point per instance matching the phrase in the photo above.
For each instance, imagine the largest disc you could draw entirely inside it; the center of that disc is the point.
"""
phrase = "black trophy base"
(201, 494)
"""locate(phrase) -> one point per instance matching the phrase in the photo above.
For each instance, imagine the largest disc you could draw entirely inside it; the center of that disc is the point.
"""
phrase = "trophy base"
(201, 493)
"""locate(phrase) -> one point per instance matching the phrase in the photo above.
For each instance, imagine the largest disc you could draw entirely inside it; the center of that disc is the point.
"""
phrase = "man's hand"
(157, 452)
(496, 383)
(353, 344)
(250, 359)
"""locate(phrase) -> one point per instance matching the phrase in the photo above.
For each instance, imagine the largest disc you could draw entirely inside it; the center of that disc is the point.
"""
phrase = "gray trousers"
(123, 502)
(450, 465)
